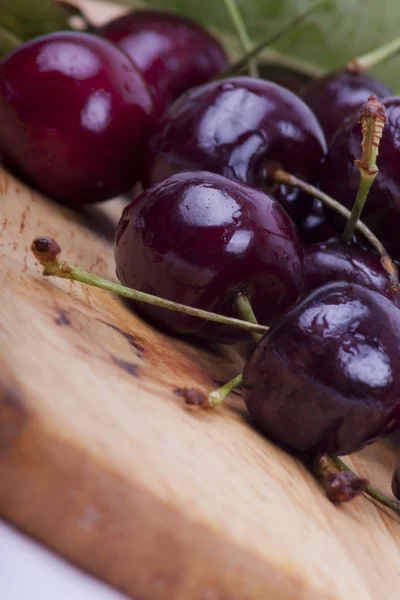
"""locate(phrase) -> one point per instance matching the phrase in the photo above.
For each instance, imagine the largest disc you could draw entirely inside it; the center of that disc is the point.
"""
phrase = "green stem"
(237, 20)
(218, 396)
(281, 176)
(244, 310)
(42, 249)
(372, 491)
(373, 118)
(8, 42)
(365, 185)
(238, 66)
(375, 57)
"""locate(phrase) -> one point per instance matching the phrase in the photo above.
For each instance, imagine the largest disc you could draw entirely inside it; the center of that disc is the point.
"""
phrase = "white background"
(28, 571)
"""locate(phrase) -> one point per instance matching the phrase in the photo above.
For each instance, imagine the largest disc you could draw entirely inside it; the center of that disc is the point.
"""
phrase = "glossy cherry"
(239, 127)
(316, 228)
(200, 239)
(339, 177)
(336, 96)
(75, 114)
(327, 262)
(326, 377)
(173, 52)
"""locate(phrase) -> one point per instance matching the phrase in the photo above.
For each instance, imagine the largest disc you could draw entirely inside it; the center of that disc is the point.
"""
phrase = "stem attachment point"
(339, 484)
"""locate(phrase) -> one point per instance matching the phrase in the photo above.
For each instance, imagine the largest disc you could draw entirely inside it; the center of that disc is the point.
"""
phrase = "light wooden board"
(100, 460)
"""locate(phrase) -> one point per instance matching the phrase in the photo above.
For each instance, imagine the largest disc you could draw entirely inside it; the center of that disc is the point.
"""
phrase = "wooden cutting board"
(101, 461)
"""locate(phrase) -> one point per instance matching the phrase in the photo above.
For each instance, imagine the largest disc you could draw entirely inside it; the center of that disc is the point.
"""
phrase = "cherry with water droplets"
(173, 52)
(201, 239)
(240, 127)
(75, 114)
(326, 377)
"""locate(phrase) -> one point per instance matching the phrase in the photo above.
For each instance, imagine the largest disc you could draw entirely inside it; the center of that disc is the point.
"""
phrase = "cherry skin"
(75, 114)
(326, 377)
(340, 177)
(200, 239)
(336, 96)
(316, 228)
(239, 127)
(172, 52)
(326, 262)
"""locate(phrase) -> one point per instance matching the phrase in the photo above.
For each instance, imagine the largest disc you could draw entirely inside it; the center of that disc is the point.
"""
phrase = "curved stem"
(370, 490)
(373, 58)
(218, 396)
(281, 176)
(244, 310)
(8, 42)
(237, 20)
(373, 118)
(239, 65)
(46, 251)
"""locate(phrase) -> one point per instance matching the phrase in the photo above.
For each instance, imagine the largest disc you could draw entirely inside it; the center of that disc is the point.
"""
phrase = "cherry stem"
(243, 36)
(8, 42)
(281, 176)
(239, 65)
(218, 396)
(370, 490)
(373, 118)
(47, 250)
(340, 485)
(374, 58)
(244, 310)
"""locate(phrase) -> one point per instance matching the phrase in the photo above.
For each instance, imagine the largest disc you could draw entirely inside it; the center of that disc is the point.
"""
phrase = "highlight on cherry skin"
(339, 177)
(326, 377)
(202, 240)
(239, 127)
(173, 53)
(75, 114)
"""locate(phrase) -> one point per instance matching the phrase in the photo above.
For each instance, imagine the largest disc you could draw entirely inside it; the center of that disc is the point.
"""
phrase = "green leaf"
(30, 18)
(329, 38)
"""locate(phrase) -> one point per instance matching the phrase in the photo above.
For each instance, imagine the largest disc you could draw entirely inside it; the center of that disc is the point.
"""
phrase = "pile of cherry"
(85, 117)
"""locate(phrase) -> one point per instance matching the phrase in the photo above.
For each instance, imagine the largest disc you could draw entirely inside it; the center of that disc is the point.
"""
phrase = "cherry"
(336, 96)
(200, 239)
(326, 377)
(239, 127)
(340, 177)
(316, 228)
(326, 262)
(74, 116)
(173, 52)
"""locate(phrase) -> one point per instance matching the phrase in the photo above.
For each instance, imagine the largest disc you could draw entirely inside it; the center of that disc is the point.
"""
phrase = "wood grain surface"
(101, 461)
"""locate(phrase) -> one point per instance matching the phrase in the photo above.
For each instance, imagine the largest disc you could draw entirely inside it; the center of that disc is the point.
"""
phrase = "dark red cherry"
(316, 228)
(327, 262)
(75, 114)
(200, 239)
(173, 53)
(340, 177)
(336, 96)
(326, 377)
(239, 127)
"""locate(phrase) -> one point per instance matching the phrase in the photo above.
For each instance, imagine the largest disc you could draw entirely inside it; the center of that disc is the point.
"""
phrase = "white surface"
(28, 571)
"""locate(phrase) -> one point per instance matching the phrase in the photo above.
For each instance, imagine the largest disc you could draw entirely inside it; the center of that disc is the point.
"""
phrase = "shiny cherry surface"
(326, 377)
(74, 116)
(238, 127)
(316, 228)
(172, 52)
(336, 96)
(339, 177)
(328, 262)
(199, 239)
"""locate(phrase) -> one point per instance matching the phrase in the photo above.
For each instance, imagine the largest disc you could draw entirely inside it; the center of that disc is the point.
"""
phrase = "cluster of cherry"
(231, 224)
